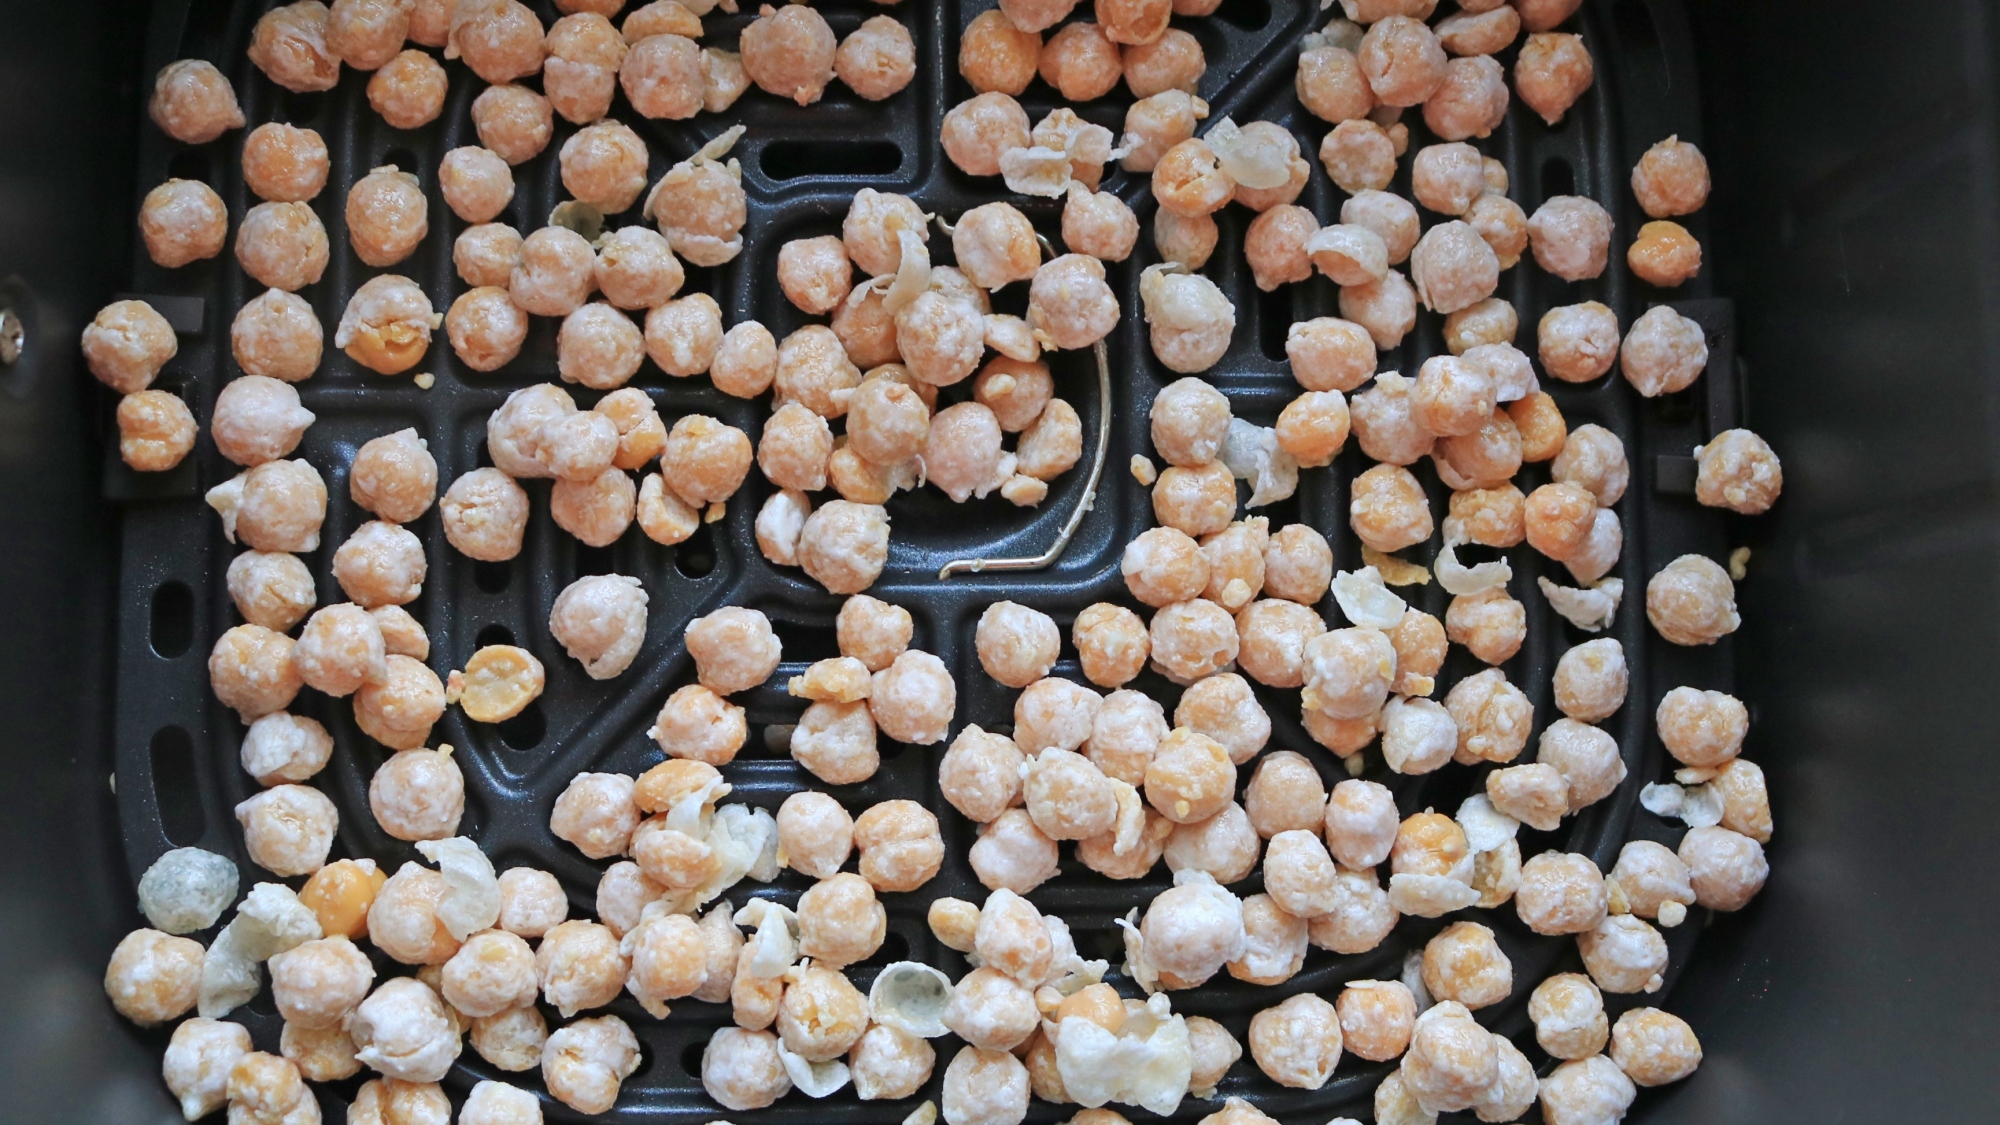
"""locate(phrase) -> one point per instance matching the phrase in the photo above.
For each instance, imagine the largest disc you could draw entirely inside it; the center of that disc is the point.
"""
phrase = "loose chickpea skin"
(1691, 601)
(182, 221)
(408, 91)
(1297, 1043)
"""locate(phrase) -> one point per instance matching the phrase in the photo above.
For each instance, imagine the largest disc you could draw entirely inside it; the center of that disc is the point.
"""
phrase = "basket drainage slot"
(174, 789)
(171, 629)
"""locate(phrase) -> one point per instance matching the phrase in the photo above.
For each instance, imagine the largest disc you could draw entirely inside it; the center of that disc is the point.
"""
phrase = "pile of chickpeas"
(1216, 598)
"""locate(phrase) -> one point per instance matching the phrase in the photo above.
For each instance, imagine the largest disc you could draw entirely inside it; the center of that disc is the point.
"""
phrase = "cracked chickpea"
(1275, 947)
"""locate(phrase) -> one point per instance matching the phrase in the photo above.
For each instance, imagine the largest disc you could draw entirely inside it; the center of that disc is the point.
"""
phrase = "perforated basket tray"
(178, 776)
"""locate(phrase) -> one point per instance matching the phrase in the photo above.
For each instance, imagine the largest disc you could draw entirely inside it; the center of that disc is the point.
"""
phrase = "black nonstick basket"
(117, 592)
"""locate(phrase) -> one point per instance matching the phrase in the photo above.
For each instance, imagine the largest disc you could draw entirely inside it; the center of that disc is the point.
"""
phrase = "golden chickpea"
(408, 91)
(182, 221)
(1664, 254)
(1671, 179)
(1190, 182)
(387, 216)
(512, 1040)
(1552, 72)
(1388, 509)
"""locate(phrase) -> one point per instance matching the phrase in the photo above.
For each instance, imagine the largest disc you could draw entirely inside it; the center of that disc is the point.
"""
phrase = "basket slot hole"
(492, 577)
(1558, 178)
(495, 634)
(806, 643)
(174, 790)
(190, 164)
(526, 730)
(695, 557)
(691, 1057)
(791, 160)
(1274, 322)
(171, 630)
(593, 560)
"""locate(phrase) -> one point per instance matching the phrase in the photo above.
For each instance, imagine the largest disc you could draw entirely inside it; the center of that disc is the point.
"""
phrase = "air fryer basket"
(174, 749)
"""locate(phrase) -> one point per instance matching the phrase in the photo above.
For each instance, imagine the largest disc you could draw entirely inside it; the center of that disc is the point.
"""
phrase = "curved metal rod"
(1083, 504)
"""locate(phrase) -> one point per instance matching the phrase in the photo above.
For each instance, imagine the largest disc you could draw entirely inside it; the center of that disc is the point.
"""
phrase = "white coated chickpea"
(1017, 645)
(741, 1069)
(276, 335)
(1624, 954)
(1223, 845)
(1692, 601)
(984, 1087)
(1275, 946)
(1191, 640)
(182, 221)
(409, 90)
(316, 983)
(1671, 179)
(840, 921)
(394, 476)
(1376, 1018)
(532, 902)
(1591, 680)
(1725, 867)
(555, 274)
(596, 813)
(1664, 352)
(580, 966)
(282, 245)
(487, 254)
(497, 1103)
(382, 563)
(197, 1063)
(1361, 921)
(733, 649)
(477, 184)
(1285, 793)
(1012, 853)
(399, 709)
(914, 698)
(992, 1010)
(153, 977)
(485, 515)
(266, 1089)
(1569, 1016)
(1054, 713)
(1297, 1043)
(339, 650)
(980, 774)
(1223, 707)
(287, 829)
(584, 1063)
(815, 834)
(1653, 1047)
(600, 620)
(1586, 1090)
(418, 795)
(899, 845)
(1200, 501)
(402, 1030)
(1189, 420)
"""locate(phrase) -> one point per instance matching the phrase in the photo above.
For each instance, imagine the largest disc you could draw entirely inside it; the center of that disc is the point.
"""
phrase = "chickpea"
(1702, 729)
(1198, 501)
(1725, 867)
(1172, 61)
(877, 59)
(418, 795)
(282, 245)
(600, 621)
(501, 40)
(275, 335)
(978, 130)
(1653, 1047)
(512, 1040)
(315, 984)
(1017, 645)
(585, 55)
(1190, 418)
(992, 1010)
(1571, 236)
(1081, 61)
(289, 45)
(193, 103)
(487, 255)
(408, 91)
(1552, 72)
(996, 55)
(664, 77)
(1362, 919)
(742, 1070)
(1222, 707)
(339, 650)
(584, 1063)
(815, 835)
(198, 1060)
(513, 121)
(789, 52)
(485, 515)
(497, 1103)
(596, 814)
(1236, 562)
(983, 1087)
(1297, 1043)
(1054, 713)
(1664, 254)
(1191, 930)
(899, 845)
(1470, 102)
(1152, 126)
(1332, 85)
(733, 649)
(1402, 61)
(155, 430)
(1276, 946)
(1650, 881)
(1560, 894)
(380, 564)
(153, 977)
(1671, 179)
(962, 451)
(596, 511)
(1578, 342)
(1388, 509)
(1691, 601)
(532, 903)
(266, 1089)
(1223, 845)
(250, 670)
(1098, 224)
(386, 217)
(1663, 352)
(394, 476)
(1164, 566)
(1190, 182)
(182, 221)
(1737, 470)
(1624, 954)
(844, 545)
(980, 774)
(581, 966)
(1012, 853)
(1191, 640)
